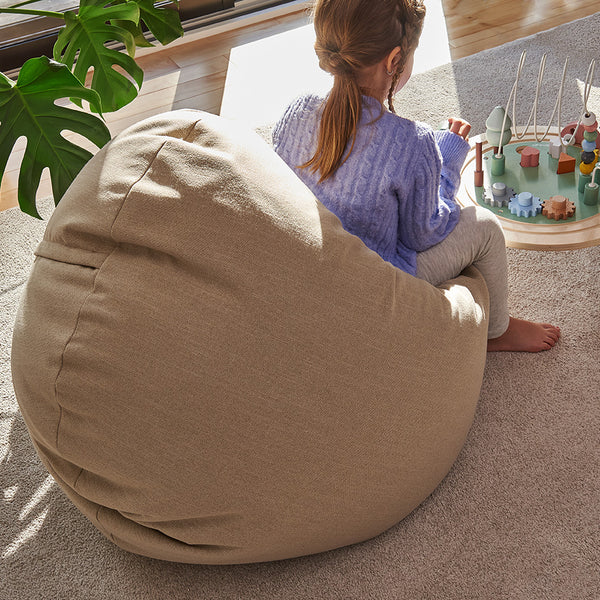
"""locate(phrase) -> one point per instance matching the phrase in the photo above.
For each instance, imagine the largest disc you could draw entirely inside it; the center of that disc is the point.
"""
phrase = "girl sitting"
(389, 180)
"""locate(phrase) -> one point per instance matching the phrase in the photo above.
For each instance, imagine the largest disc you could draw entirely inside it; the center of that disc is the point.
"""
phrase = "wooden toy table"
(539, 232)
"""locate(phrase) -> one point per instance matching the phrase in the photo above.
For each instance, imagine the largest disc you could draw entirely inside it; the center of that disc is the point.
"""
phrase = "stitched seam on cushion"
(59, 253)
(62, 356)
(77, 478)
(150, 163)
(191, 129)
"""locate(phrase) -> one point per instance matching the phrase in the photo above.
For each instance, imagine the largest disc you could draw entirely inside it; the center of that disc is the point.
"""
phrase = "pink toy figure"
(579, 133)
(530, 157)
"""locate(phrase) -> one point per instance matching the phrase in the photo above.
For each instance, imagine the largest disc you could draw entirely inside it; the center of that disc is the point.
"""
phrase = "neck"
(373, 82)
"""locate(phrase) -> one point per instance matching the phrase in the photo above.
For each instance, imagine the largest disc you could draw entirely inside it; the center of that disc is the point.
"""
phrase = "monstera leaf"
(82, 43)
(164, 23)
(27, 108)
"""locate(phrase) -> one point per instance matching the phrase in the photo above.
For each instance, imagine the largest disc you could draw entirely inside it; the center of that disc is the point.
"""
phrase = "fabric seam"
(91, 292)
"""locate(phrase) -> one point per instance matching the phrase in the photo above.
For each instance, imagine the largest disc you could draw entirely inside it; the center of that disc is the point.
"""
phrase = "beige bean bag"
(214, 371)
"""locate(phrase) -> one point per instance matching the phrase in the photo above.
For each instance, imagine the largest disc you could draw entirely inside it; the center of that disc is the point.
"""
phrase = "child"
(389, 180)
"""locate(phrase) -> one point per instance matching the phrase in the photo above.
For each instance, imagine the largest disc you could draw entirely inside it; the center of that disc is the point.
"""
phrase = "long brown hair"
(350, 36)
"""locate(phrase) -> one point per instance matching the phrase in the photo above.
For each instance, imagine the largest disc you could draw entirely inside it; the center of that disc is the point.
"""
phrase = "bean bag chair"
(215, 371)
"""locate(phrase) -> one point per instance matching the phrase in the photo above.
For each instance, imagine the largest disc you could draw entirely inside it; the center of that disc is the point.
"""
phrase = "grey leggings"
(476, 240)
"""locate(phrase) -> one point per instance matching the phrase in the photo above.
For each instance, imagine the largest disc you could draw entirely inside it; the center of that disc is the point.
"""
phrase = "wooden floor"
(475, 25)
(193, 74)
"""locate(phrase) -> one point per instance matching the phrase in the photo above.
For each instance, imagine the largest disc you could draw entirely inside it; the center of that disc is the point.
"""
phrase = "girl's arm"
(427, 210)
(453, 149)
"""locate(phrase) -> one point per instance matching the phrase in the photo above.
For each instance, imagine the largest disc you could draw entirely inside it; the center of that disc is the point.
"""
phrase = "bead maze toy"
(543, 183)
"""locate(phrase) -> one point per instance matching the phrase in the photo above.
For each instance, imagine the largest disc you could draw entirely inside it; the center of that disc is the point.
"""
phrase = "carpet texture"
(518, 517)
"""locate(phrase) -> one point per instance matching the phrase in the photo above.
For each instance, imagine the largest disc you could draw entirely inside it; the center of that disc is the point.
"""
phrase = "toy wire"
(511, 97)
(569, 140)
(596, 168)
(556, 111)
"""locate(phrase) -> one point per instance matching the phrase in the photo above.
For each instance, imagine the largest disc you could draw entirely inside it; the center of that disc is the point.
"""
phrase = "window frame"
(35, 36)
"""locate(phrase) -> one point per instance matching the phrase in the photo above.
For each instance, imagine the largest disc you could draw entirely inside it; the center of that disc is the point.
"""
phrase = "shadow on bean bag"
(214, 371)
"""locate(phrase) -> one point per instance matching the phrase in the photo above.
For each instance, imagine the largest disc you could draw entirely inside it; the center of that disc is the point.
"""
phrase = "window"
(24, 36)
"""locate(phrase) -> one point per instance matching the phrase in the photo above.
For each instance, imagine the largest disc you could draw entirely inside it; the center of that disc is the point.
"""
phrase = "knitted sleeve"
(454, 150)
(429, 213)
(288, 124)
(280, 127)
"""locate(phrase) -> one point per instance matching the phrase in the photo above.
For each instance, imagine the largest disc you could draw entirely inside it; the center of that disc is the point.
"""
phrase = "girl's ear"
(392, 60)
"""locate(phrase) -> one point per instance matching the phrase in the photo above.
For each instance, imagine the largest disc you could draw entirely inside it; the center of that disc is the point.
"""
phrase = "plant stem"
(27, 11)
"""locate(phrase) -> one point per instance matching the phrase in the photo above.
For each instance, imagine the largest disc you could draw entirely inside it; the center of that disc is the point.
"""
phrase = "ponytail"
(339, 122)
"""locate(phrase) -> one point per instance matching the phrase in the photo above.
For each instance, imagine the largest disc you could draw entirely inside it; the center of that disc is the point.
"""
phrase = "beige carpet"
(518, 517)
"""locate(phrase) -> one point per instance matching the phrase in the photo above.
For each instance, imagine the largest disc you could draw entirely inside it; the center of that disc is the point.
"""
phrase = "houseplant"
(28, 105)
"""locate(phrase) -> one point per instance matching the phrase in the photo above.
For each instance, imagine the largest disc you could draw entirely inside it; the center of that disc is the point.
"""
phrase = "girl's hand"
(459, 127)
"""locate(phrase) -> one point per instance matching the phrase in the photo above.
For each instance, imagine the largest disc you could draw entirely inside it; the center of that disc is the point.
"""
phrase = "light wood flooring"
(197, 73)
(475, 25)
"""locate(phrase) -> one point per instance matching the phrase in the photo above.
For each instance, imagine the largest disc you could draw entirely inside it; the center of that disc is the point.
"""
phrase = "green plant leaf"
(164, 23)
(27, 108)
(82, 43)
(136, 32)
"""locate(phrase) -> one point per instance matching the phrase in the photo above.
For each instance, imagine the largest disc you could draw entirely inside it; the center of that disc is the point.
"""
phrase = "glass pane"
(26, 36)
(57, 5)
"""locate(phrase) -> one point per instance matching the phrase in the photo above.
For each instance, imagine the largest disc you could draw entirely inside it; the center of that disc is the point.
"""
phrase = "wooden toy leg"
(478, 175)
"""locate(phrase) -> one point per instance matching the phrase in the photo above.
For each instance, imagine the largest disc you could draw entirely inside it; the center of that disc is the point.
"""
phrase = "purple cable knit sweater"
(396, 189)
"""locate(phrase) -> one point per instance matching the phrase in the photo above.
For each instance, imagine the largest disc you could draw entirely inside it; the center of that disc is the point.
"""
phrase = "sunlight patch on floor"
(265, 75)
(31, 526)
(30, 531)
(36, 498)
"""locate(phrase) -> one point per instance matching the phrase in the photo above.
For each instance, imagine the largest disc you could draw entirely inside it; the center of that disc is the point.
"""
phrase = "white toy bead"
(554, 147)
(588, 119)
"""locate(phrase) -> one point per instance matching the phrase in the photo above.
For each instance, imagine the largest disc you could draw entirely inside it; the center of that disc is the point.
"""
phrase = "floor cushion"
(215, 371)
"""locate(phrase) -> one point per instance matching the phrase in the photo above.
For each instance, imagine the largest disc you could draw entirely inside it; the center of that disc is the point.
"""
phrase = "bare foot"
(525, 336)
